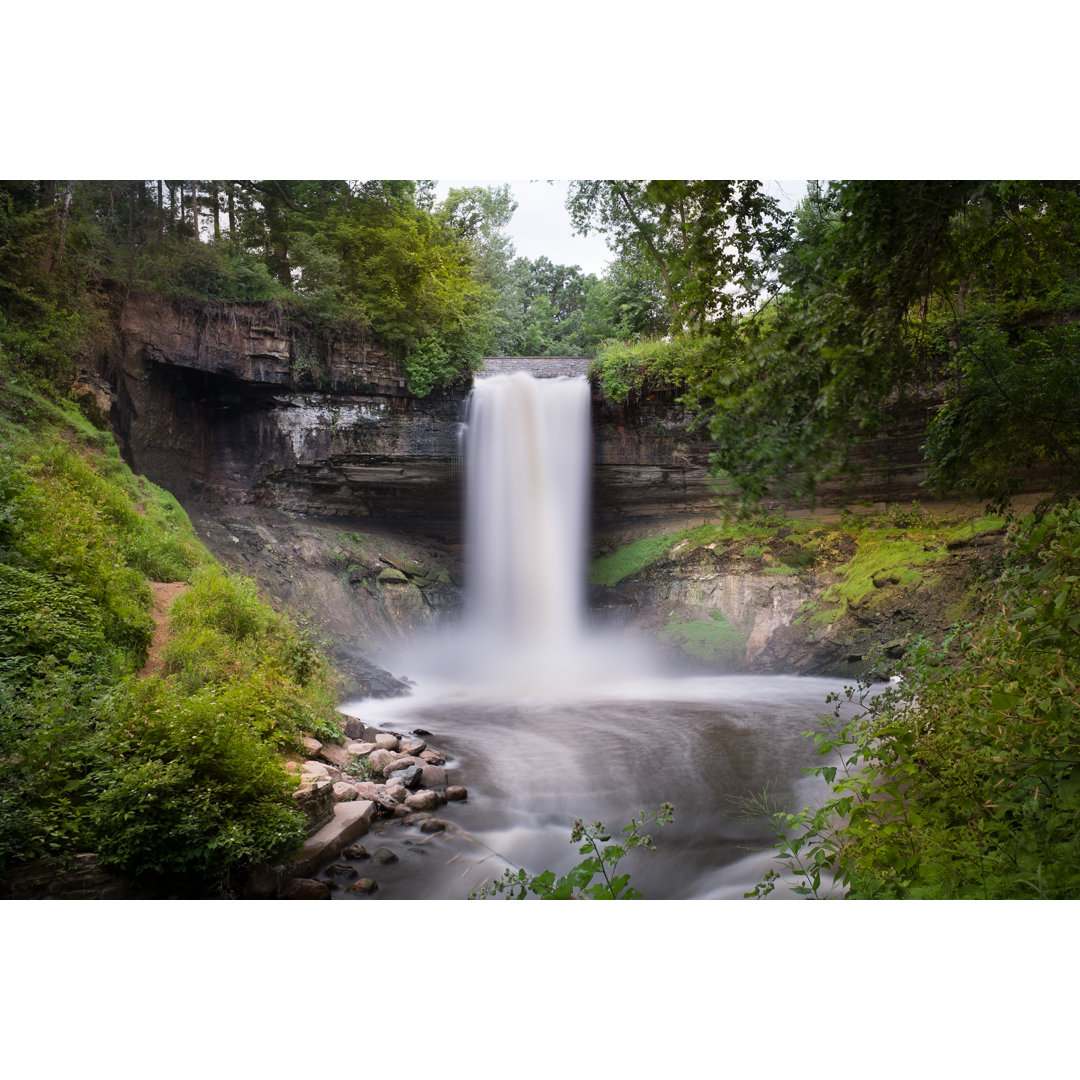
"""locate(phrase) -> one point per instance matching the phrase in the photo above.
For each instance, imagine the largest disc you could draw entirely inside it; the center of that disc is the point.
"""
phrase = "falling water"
(527, 491)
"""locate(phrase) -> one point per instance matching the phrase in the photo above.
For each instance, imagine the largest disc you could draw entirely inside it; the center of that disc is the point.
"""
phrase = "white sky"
(541, 224)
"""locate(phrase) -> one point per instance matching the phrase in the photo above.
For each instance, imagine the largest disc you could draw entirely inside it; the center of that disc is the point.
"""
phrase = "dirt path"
(165, 592)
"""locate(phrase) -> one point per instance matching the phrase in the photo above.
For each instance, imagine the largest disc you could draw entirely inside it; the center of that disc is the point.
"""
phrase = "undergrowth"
(178, 778)
(962, 780)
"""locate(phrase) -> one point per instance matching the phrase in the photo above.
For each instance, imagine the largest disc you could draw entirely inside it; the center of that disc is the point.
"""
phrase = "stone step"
(350, 820)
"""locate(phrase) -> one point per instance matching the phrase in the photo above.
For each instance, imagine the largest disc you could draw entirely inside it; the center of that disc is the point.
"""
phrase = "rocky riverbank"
(382, 776)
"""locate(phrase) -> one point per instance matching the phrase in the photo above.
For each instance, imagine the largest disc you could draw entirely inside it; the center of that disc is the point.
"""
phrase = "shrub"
(964, 780)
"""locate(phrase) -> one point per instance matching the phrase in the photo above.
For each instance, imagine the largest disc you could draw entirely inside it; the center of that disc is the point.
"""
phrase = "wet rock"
(432, 757)
(423, 732)
(384, 855)
(433, 825)
(399, 793)
(422, 800)
(356, 851)
(365, 885)
(392, 576)
(455, 793)
(401, 811)
(340, 869)
(344, 792)
(305, 889)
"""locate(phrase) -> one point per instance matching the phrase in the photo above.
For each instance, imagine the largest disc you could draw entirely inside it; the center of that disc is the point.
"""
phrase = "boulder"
(365, 789)
(354, 729)
(344, 792)
(380, 759)
(433, 825)
(399, 764)
(433, 777)
(315, 769)
(305, 889)
(454, 793)
(386, 741)
(410, 777)
(384, 855)
(365, 885)
(356, 851)
(341, 870)
(422, 800)
(360, 749)
(432, 757)
(311, 746)
(337, 756)
(414, 747)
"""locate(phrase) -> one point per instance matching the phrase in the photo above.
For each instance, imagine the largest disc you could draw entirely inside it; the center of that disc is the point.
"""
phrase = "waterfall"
(527, 455)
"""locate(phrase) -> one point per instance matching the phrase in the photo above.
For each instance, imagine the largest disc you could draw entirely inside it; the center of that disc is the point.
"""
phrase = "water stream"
(546, 720)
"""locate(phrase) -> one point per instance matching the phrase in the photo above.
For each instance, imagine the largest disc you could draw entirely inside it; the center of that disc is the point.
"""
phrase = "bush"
(964, 780)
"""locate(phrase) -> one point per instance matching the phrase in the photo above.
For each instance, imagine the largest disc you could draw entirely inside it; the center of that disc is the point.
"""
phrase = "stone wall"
(540, 367)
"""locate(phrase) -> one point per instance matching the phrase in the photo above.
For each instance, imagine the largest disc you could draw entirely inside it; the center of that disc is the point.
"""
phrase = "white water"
(546, 721)
(527, 489)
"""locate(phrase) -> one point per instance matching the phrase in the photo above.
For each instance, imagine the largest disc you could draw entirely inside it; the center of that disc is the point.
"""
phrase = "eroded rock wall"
(236, 403)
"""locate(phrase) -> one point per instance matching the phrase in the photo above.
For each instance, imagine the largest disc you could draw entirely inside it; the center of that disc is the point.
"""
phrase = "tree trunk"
(64, 214)
(160, 213)
(232, 215)
(195, 207)
(217, 210)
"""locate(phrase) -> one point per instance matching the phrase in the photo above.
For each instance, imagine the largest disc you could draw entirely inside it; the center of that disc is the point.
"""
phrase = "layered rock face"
(651, 466)
(236, 404)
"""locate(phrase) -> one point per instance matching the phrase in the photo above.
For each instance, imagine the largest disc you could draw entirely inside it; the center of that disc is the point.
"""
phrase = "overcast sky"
(541, 224)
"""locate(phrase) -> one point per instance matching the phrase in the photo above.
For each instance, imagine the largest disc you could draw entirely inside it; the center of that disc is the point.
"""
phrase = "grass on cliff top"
(179, 777)
(634, 557)
(893, 547)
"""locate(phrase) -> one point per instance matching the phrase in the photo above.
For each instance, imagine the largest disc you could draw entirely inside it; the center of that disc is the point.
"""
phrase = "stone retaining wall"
(540, 367)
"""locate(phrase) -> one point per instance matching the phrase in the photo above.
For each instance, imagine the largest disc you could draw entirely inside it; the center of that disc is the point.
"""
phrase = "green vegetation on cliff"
(963, 781)
(175, 776)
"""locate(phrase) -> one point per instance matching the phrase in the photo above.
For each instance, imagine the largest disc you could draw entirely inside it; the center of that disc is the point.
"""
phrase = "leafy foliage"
(963, 781)
(177, 778)
(896, 293)
(580, 882)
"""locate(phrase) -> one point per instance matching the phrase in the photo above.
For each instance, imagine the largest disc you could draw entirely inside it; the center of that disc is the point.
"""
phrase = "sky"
(541, 224)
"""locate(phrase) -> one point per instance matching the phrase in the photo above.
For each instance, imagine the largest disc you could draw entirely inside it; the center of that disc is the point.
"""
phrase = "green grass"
(634, 557)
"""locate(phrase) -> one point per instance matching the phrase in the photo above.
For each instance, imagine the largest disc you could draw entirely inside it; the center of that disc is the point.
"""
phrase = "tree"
(709, 240)
(961, 290)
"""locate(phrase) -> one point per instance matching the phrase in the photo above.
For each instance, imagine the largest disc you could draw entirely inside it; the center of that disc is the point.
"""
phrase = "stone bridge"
(540, 367)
